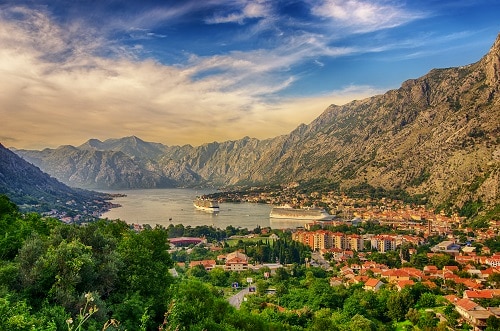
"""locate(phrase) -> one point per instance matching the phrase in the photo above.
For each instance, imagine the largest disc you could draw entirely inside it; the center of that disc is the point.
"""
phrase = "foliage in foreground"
(104, 276)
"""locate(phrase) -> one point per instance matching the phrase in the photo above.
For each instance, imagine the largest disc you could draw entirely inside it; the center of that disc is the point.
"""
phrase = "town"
(372, 243)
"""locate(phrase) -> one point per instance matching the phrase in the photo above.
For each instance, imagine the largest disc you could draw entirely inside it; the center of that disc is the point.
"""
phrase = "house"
(447, 246)
(236, 261)
(401, 284)
(360, 279)
(493, 261)
(414, 272)
(394, 275)
(468, 249)
(207, 264)
(463, 259)
(473, 271)
(481, 294)
(335, 281)
(373, 284)
(469, 283)
(452, 268)
(488, 272)
(431, 270)
(473, 313)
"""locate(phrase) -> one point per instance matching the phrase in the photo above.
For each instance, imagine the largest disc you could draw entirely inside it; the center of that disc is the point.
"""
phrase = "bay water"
(175, 206)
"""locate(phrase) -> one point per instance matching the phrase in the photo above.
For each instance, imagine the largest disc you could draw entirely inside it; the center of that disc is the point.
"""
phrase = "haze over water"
(175, 206)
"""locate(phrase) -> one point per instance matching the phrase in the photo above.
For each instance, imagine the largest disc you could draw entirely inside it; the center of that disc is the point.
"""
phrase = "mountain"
(113, 164)
(132, 146)
(29, 187)
(436, 136)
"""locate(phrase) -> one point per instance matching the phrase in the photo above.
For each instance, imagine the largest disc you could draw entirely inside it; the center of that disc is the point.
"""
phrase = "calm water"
(175, 206)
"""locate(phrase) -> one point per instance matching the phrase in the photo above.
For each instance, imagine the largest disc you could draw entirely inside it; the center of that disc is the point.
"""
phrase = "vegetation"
(105, 276)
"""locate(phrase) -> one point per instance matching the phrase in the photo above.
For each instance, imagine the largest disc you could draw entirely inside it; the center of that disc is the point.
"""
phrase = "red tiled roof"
(403, 283)
(466, 304)
(372, 282)
(451, 298)
(484, 294)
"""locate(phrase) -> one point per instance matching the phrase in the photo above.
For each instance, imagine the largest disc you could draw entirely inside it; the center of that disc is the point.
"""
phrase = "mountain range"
(436, 136)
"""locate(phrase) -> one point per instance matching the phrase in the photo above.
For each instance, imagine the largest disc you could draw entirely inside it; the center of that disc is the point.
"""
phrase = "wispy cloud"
(243, 10)
(364, 15)
(83, 94)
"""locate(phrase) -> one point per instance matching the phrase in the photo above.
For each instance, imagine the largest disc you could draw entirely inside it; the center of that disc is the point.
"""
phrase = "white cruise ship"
(208, 205)
(288, 212)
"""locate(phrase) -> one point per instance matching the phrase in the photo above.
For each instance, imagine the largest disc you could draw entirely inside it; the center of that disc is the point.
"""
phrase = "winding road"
(237, 299)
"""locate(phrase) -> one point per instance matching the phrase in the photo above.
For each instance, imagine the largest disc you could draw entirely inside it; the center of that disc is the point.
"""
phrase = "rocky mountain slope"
(437, 135)
(30, 188)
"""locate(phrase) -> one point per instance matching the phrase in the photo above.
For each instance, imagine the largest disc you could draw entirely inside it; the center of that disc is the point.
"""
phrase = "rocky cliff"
(437, 135)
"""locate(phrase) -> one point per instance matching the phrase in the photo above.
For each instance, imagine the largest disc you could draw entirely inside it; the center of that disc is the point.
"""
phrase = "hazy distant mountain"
(131, 146)
(437, 135)
(113, 164)
(25, 184)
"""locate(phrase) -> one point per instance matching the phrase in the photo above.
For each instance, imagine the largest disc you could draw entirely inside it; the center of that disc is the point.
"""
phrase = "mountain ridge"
(436, 135)
(29, 187)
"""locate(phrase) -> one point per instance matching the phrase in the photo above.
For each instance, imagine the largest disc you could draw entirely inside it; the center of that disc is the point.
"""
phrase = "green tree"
(145, 270)
(131, 310)
(72, 266)
(492, 323)
(219, 277)
(427, 300)
(428, 321)
(195, 307)
(199, 272)
(147, 261)
(413, 315)
(398, 305)
(17, 316)
(322, 320)
(361, 323)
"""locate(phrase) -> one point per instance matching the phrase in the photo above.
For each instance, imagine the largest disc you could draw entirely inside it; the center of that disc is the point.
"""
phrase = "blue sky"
(180, 72)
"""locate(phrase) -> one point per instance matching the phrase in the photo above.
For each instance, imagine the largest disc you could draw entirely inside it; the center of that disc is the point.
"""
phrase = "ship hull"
(299, 214)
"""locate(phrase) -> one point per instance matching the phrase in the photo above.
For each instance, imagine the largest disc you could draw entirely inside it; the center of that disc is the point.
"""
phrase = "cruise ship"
(208, 205)
(288, 212)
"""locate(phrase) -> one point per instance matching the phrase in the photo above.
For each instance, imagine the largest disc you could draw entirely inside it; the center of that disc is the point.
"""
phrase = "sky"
(197, 71)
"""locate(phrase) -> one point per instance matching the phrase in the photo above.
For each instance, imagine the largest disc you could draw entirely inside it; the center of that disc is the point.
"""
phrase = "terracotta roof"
(205, 263)
(429, 284)
(466, 304)
(484, 294)
(451, 298)
(403, 283)
(372, 282)
(361, 279)
(450, 267)
(430, 268)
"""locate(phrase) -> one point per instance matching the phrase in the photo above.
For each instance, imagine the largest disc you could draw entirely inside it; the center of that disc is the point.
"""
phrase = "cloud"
(364, 15)
(245, 10)
(57, 88)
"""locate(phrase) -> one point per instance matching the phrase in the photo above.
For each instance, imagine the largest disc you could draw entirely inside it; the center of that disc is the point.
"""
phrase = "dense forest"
(106, 276)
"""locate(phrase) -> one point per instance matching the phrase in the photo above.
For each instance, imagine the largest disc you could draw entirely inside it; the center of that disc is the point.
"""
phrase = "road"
(237, 299)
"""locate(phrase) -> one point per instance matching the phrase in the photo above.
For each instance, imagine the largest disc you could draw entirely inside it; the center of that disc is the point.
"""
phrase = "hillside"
(29, 187)
(436, 135)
